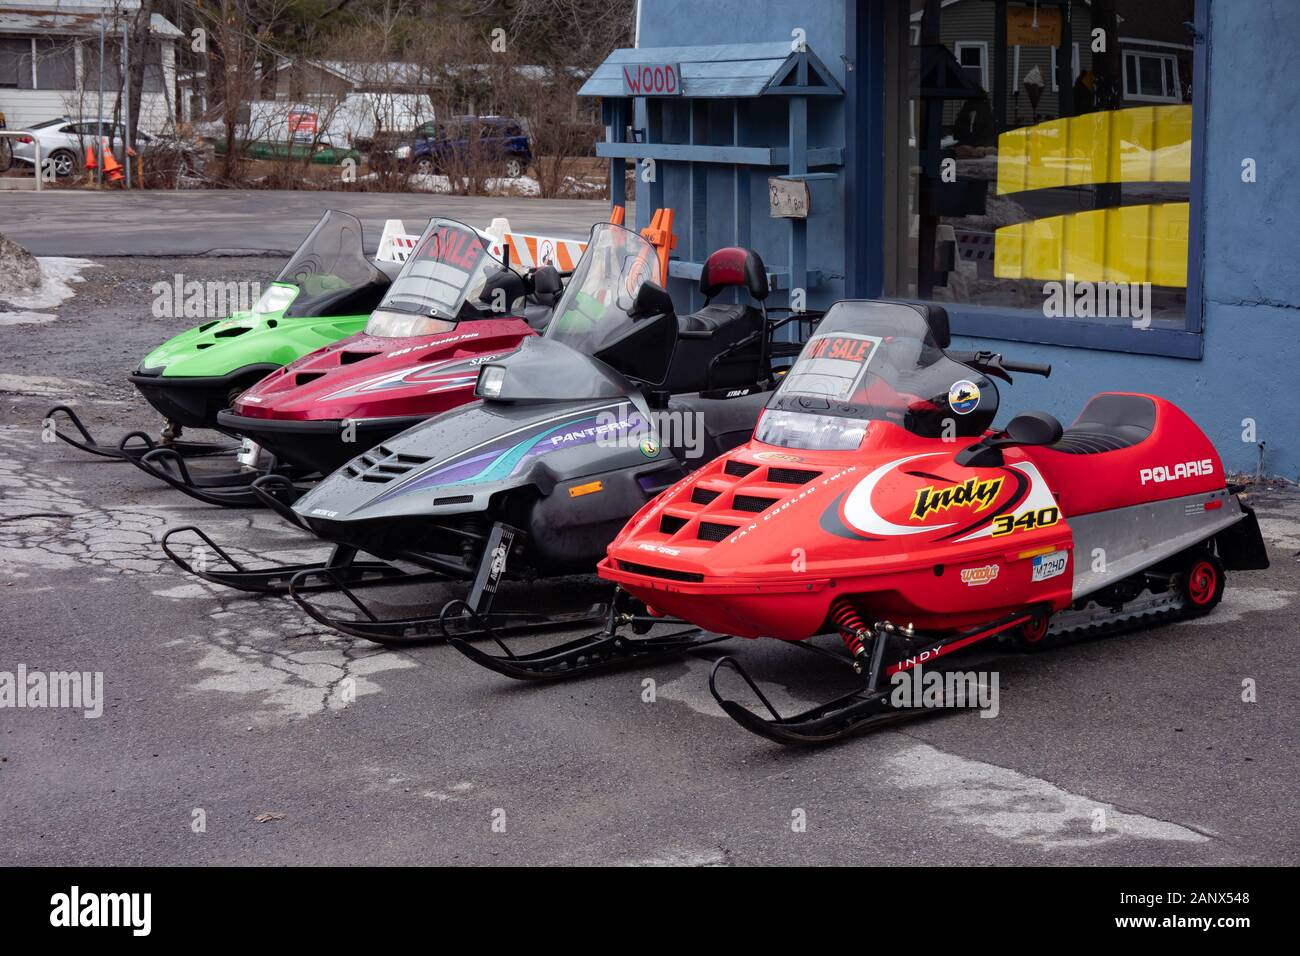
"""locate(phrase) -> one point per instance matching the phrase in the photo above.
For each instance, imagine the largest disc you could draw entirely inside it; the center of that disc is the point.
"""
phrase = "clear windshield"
(593, 310)
(330, 261)
(441, 281)
(874, 361)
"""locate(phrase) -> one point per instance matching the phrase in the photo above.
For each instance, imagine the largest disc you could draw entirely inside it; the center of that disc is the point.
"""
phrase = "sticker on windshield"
(964, 397)
(832, 365)
(636, 272)
(458, 248)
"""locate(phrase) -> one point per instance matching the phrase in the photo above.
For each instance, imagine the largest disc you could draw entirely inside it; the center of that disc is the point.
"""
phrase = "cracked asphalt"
(225, 710)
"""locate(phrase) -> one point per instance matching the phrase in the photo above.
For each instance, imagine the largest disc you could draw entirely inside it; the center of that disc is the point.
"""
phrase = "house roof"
(398, 73)
(76, 20)
(726, 70)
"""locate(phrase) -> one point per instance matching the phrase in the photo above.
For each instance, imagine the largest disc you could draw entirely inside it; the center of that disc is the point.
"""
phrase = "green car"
(320, 153)
(324, 293)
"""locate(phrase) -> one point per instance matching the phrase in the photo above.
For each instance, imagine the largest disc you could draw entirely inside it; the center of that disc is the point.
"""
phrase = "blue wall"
(1251, 364)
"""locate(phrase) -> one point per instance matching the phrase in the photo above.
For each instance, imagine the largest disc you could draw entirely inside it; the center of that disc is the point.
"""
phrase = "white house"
(49, 61)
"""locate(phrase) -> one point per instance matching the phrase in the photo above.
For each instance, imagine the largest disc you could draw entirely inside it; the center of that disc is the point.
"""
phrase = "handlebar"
(992, 363)
(1029, 368)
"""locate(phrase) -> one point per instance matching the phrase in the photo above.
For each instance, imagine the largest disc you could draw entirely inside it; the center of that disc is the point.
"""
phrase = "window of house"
(1151, 77)
(973, 58)
(1036, 213)
(56, 64)
(153, 68)
(16, 63)
(112, 66)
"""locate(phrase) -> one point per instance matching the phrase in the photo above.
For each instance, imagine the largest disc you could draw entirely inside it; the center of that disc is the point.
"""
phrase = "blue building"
(1104, 185)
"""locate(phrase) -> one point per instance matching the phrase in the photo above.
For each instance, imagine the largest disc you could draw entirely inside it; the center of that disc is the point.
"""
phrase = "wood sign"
(788, 198)
(652, 79)
(1021, 29)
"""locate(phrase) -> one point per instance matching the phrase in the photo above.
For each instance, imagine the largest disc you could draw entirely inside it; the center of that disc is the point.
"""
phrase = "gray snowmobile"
(565, 444)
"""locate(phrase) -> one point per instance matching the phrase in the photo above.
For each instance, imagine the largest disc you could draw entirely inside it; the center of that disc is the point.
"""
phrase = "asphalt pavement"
(236, 730)
(68, 222)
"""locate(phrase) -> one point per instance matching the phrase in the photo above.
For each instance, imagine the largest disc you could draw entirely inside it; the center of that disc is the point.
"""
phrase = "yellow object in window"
(1125, 244)
(1137, 145)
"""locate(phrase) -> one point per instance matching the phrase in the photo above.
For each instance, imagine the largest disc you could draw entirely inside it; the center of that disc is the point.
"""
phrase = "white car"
(63, 143)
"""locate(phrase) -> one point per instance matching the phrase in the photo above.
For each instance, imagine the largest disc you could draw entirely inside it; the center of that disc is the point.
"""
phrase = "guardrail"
(36, 170)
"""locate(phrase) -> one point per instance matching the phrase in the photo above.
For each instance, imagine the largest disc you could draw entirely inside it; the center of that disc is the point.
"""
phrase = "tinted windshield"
(593, 311)
(330, 261)
(874, 361)
(439, 284)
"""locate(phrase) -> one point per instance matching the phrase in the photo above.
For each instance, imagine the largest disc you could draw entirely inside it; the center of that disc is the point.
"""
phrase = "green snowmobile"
(324, 293)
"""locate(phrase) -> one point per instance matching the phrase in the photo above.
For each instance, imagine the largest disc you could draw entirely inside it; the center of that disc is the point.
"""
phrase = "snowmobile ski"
(132, 446)
(604, 650)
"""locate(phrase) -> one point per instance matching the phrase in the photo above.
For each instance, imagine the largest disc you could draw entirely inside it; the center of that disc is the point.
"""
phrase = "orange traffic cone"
(112, 168)
(617, 214)
(91, 165)
(660, 235)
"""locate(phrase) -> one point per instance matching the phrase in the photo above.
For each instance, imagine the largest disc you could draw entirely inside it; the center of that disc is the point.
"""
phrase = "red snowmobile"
(455, 305)
(875, 501)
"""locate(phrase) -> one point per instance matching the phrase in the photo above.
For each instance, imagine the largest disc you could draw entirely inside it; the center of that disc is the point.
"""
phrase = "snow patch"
(503, 186)
(43, 386)
(1021, 809)
(1281, 532)
(58, 275)
(26, 318)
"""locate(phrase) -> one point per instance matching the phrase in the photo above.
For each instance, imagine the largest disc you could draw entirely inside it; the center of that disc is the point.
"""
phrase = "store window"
(1047, 204)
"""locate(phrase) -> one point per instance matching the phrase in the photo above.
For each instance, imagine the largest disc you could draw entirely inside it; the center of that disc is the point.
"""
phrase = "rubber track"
(1122, 623)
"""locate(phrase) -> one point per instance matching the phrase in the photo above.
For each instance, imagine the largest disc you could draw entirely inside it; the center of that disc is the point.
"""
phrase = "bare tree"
(241, 41)
(560, 43)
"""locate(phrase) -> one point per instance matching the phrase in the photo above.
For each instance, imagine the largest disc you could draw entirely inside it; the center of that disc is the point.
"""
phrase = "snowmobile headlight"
(276, 298)
(490, 381)
(803, 430)
(402, 152)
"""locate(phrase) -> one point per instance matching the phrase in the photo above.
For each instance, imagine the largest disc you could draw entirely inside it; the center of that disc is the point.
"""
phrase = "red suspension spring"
(850, 625)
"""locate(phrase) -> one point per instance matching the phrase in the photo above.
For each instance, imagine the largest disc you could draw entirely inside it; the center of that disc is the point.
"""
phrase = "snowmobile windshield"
(593, 311)
(329, 266)
(874, 361)
(439, 285)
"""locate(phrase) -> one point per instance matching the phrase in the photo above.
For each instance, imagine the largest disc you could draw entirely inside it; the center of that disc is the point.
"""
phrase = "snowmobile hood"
(455, 463)
(368, 377)
(781, 517)
(220, 347)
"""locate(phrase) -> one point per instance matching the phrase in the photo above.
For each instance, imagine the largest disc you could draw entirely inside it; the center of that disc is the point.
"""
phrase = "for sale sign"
(652, 79)
(302, 126)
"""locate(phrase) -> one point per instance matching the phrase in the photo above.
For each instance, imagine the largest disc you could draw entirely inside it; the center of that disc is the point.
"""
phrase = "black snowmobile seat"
(1109, 422)
(719, 326)
(936, 316)
(728, 422)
